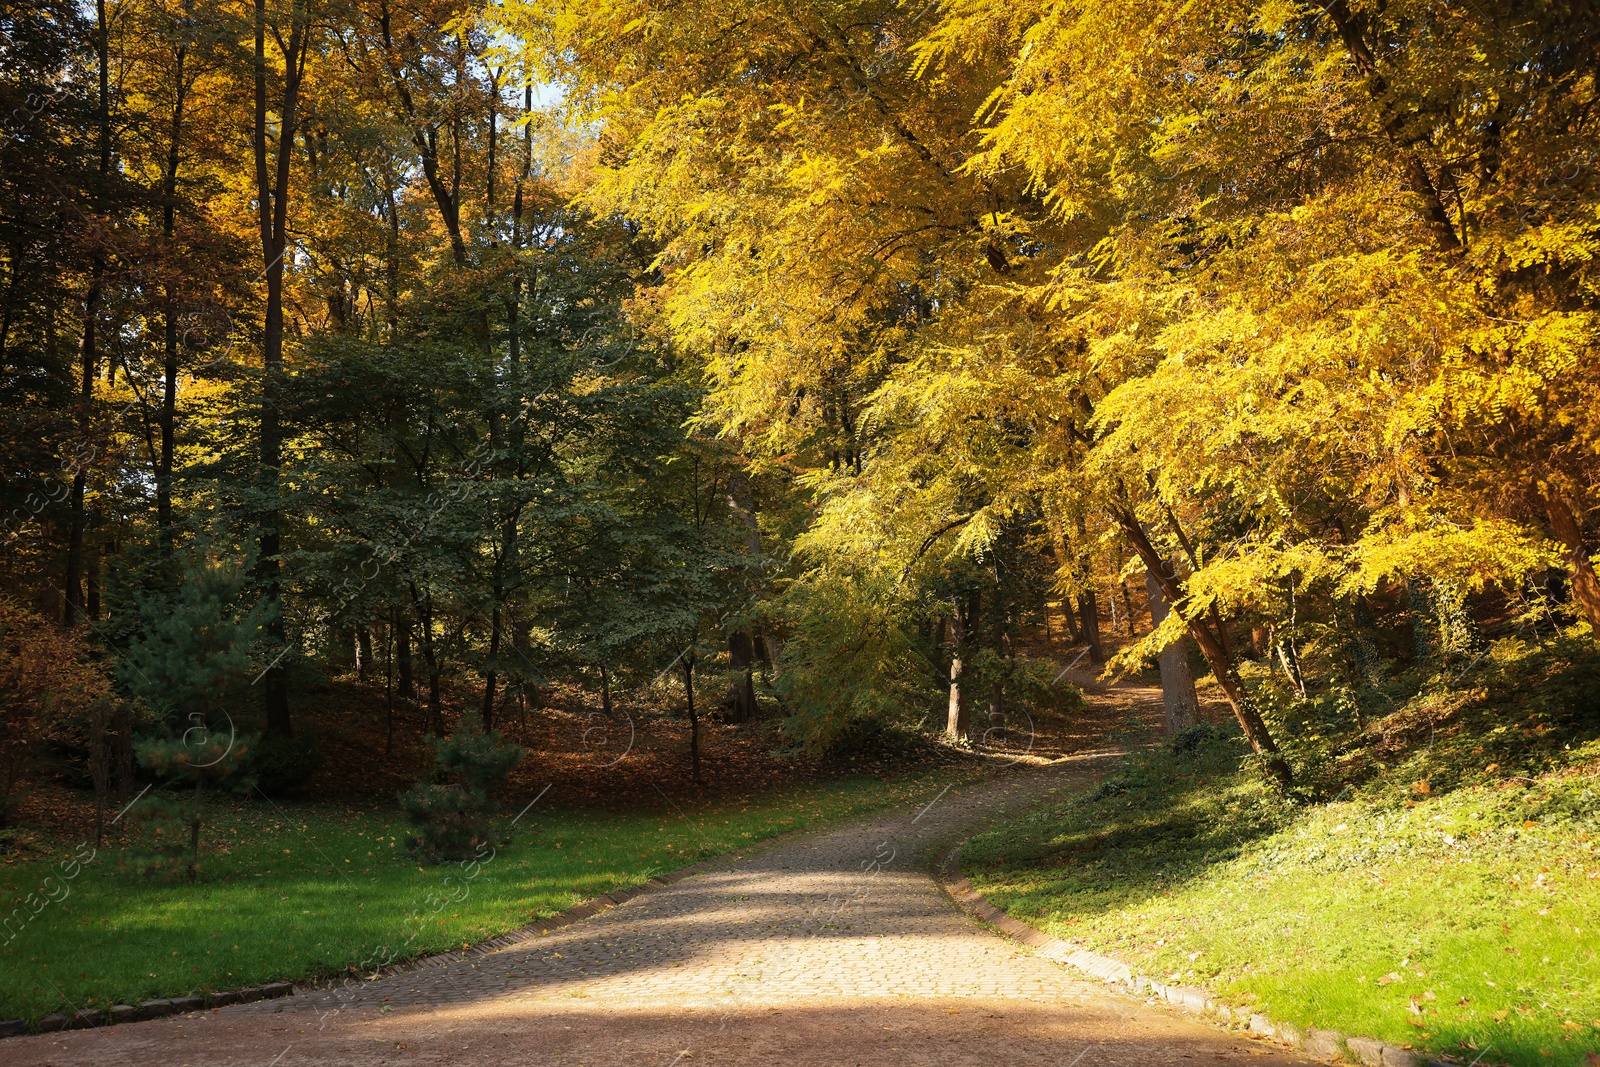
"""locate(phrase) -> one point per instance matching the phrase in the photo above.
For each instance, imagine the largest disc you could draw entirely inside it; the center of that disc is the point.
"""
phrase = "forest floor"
(835, 947)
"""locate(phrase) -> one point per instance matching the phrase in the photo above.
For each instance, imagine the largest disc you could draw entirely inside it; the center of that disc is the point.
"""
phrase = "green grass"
(298, 892)
(1448, 900)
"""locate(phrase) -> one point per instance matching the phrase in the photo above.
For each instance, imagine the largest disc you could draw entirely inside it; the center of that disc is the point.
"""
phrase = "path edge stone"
(1329, 1045)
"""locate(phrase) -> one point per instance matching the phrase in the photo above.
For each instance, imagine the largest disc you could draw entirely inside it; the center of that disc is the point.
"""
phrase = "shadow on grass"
(1166, 816)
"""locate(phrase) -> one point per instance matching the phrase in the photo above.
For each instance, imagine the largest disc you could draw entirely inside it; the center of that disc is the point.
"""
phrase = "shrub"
(281, 764)
(1034, 684)
(47, 685)
(454, 814)
(849, 657)
(1203, 735)
(873, 738)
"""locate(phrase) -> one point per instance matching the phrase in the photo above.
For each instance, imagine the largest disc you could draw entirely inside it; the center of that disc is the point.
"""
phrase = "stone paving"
(849, 912)
(828, 948)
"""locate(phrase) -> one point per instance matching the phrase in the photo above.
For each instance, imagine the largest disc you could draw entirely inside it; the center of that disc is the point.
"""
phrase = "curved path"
(834, 948)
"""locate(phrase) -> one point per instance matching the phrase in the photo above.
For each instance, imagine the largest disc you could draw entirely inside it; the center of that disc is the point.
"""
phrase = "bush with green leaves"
(851, 655)
(455, 813)
(280, 765)
(1032, 683)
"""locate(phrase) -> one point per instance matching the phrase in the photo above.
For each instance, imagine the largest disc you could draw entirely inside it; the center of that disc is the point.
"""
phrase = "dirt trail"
(834, 948)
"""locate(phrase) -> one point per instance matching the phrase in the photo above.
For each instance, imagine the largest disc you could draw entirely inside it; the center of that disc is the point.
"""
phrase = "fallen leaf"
(1389, 979)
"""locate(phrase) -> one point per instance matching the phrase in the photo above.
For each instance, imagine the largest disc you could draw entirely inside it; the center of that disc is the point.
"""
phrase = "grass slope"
(302, 891)
(1448, 899)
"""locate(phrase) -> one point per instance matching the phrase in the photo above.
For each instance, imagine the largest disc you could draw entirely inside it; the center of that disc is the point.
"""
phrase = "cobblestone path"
(832, 948)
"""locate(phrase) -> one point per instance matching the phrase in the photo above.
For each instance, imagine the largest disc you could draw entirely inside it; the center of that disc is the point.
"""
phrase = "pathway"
(834, 948)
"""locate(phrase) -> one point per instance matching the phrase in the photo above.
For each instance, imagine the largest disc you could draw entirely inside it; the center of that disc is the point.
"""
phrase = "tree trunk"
(1194, 562)
(489, 675)
(1180, 704)
(1258, 640)
(363, 652)
(605, 692)
(1255, 730)
(956, 722)
(1089, 617)
(169, 310)
(388, 691)
(73, 585)
(1580, 571)
(1289, 659)
(100, 765)
(436, 698)
(1070, 614)
(741, 646)
(1419, 608)
(435, 692)
(402, 637)
(1349, 25)
(996, 731)
(742, 693)
(169, 434)
(87, 351)
(694, 719)
(430, 657)
(272, 206)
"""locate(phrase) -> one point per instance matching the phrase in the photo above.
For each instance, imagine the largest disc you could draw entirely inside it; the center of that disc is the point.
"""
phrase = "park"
(848, 532)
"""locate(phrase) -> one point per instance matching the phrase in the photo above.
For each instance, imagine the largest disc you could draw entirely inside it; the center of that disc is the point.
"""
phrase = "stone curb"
(88, 1018)
(1323, 1044)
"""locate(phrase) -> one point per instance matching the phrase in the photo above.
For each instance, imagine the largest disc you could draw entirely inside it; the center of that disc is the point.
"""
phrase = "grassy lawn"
(297, 891)
(1448, 899)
